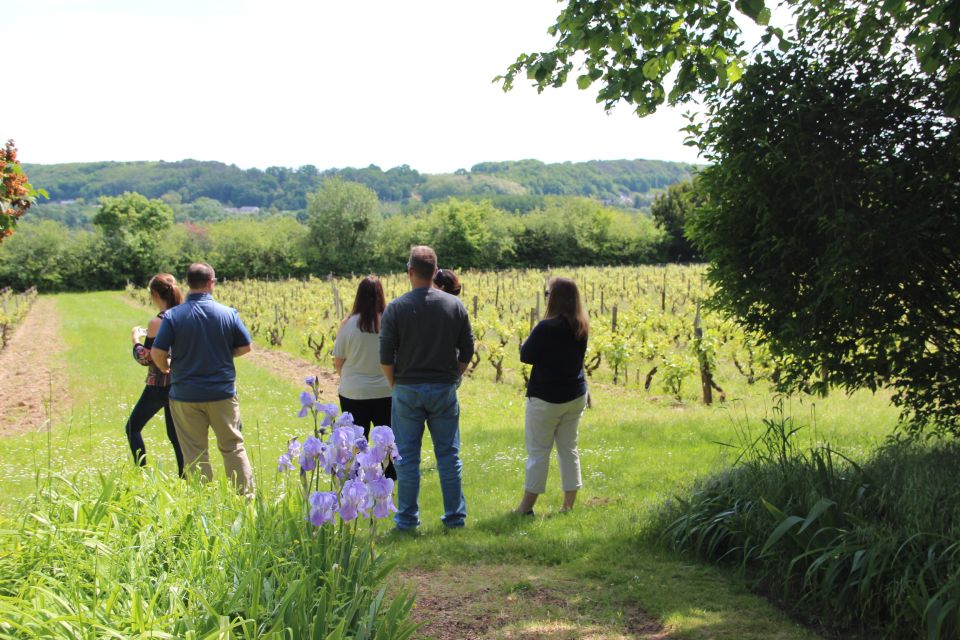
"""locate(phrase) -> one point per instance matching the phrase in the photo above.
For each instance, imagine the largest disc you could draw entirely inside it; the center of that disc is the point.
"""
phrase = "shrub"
(847, 545)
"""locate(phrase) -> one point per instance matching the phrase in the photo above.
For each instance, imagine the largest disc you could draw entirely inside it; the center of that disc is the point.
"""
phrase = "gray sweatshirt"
(424, 333)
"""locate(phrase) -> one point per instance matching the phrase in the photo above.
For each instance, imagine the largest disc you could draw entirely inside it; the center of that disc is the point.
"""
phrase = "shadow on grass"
(592, 573)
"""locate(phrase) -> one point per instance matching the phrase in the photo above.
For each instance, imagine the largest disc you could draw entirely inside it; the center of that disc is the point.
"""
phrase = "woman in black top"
(165, 295)
(556, 393)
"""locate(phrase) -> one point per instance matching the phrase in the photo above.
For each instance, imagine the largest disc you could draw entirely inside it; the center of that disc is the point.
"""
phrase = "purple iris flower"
(329, 410)
(345, 419)
(310, 381)
(307, 400)
(312, 447)
(354, 471)
(353, 500)
(371, 464)
(341, 439)
(323, 504)
(284, 463)
(307, 463)
(293, 448)
(383, 437)
(381, 491)
(360, 444)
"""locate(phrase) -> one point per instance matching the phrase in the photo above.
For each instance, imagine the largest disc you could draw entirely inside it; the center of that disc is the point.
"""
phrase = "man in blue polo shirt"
(204, 337)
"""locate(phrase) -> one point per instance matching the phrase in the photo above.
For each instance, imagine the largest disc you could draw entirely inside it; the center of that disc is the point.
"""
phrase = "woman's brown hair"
(369, 304)
(165, 286)
(447, 280)
(563, 300)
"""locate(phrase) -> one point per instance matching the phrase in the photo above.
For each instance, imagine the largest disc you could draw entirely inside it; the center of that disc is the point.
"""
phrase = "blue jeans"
(436, 404)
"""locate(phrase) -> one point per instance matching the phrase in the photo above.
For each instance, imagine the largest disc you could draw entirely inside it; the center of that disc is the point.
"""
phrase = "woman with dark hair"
(364, 391)
(447, 281)
(556, 393)
(165, 295)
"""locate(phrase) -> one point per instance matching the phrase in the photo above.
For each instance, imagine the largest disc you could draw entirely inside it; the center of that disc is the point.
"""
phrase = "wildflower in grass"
(284, 463)
(293, 448)
(307, 463)
(342, 440)
(371, 466)
(313, 447)
(382, 437)
(380, 491)
(355, 470)
(354, 500)
(310, 381)
(323, 504)
(307, 400)
(329, 411)
(345, 419)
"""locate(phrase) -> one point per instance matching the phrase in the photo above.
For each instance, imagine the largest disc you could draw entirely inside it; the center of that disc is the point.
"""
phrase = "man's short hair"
(423, 261)
(199, 275)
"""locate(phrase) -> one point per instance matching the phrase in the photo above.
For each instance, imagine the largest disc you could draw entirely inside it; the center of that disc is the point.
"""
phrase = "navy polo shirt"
(201, 335)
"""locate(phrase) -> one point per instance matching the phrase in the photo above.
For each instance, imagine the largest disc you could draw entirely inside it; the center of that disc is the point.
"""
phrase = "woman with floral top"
(165, 295)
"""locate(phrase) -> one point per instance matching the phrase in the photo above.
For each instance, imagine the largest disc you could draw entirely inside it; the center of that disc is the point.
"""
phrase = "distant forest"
(619, 182)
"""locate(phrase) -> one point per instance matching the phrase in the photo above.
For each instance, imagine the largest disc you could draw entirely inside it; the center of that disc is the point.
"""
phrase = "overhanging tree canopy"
(832, 221)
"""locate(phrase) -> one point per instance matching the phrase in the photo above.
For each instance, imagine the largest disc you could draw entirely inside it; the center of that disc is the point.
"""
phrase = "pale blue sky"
(289, 82)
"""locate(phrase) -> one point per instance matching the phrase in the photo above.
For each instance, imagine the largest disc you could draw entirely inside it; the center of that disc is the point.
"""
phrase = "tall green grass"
(870, 547)
(141, 554)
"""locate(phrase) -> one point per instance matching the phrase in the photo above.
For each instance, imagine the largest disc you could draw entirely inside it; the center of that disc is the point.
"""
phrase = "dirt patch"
(498, 602)
(30, 367)
(289, 367)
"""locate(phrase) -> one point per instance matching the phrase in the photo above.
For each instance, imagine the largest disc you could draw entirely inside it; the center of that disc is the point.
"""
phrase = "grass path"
(592, 573)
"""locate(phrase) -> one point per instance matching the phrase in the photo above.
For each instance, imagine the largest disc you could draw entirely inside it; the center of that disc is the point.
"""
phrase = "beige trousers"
(192, 420)
(548, 423)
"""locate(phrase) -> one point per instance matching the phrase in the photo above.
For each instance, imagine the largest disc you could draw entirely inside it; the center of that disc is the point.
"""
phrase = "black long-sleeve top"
(557, 358)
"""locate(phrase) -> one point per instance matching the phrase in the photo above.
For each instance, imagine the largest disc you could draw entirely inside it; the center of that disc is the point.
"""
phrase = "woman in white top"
(364, 391)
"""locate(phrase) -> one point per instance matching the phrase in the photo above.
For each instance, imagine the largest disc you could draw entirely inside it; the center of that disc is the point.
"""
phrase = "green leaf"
(734, 71)
(651, 69)
(780, 531)
(584, 81)
(751, 8)
(763, 18)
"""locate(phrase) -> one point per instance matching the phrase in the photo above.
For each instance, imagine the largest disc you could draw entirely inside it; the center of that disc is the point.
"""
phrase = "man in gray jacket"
(425, 345)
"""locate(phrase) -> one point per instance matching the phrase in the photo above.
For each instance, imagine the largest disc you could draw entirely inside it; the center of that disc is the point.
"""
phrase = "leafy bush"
(141, 554)
(872, 546)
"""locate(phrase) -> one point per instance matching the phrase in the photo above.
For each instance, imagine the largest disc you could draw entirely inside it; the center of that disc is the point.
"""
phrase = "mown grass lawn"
(595, 572)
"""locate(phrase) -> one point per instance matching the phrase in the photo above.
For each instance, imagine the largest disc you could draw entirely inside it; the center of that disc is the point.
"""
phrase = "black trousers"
(151, 401)
(368, 414)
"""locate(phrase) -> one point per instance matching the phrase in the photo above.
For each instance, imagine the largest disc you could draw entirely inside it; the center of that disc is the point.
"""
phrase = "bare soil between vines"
(32, 371)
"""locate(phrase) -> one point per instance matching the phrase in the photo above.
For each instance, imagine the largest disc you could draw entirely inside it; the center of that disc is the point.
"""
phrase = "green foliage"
(608, 180)
(470, 233)
(344, 219)
(832, 225)
(870, 546)
(142, 554)
(632, 48)
(672, 210)
(198, 191)
(132, 226)
(272, 248)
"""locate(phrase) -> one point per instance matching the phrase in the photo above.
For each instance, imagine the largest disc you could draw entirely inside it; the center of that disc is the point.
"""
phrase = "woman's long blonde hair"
(563, 300)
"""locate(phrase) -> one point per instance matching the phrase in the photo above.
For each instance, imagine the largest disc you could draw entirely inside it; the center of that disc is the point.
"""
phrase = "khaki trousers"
(546, 423)
(192, 420)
